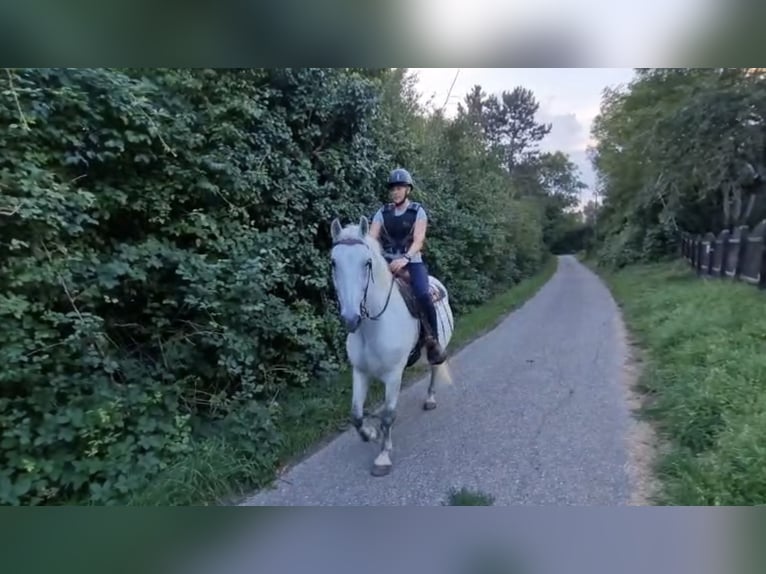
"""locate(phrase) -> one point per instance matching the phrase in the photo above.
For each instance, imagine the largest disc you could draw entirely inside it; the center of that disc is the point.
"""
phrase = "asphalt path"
(537, 414)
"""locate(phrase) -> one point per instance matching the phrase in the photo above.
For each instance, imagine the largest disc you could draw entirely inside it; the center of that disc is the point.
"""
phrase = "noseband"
(363, 312)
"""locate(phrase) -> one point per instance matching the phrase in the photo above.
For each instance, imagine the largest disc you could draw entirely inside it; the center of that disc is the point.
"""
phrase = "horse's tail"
(442, 374)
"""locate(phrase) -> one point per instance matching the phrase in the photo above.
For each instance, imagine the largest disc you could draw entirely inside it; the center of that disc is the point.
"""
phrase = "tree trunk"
(726, 191)
(737, 203)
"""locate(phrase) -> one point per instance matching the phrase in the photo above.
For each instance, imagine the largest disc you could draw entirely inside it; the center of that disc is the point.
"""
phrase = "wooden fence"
(739, 255)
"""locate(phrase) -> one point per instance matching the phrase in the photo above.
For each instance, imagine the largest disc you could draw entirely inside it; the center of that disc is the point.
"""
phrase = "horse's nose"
(351, 320)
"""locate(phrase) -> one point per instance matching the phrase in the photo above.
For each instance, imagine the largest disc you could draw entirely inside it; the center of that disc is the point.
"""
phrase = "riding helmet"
(400, 176)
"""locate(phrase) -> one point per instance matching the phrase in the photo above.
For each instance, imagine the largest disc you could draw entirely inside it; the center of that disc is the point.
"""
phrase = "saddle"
(403, 283)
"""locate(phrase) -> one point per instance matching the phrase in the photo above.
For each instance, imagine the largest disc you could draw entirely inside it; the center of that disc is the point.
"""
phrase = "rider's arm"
(419, 233)
(377, 220)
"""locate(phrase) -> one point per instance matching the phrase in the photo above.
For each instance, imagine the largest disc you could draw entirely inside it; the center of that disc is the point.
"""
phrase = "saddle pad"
(437, 294)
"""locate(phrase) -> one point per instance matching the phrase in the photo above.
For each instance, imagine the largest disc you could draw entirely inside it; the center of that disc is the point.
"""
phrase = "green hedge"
(163, 256)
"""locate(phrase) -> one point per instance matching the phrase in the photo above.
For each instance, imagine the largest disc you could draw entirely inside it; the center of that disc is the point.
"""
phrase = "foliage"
(163, 276)
(468, 497)
(508, 123)
(704, 377)
(678, 150)
(569, 234)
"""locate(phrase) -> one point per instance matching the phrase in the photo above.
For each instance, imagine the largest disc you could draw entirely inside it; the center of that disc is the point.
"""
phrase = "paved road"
(536, 415)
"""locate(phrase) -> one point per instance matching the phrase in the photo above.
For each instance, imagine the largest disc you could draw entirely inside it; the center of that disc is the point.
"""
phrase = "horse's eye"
(369, 263)
(332, 263)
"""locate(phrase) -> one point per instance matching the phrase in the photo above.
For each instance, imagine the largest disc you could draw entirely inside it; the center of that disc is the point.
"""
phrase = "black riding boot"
(436, 355)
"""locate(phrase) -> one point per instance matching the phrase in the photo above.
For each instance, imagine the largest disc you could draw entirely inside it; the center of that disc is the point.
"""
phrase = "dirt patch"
(642, 441)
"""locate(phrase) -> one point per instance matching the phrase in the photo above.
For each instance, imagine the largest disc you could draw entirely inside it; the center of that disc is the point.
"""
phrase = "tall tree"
(508, 123)
(511, 124)
(679, 149)
(559, 178)
(590, 213)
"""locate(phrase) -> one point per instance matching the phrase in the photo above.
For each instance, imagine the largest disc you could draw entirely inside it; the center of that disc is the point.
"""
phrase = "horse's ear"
(335, 229)
(364, 226)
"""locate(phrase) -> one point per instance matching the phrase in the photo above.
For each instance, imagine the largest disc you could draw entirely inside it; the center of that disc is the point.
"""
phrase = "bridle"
(363, 311)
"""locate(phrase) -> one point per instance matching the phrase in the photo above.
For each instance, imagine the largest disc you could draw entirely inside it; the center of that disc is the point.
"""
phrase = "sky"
(569, 100)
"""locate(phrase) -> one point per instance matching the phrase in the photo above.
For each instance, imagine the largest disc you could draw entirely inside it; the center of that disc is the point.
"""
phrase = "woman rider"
(400, 226)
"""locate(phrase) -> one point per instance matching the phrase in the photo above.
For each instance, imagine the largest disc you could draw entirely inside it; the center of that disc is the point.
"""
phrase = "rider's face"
(398, 193)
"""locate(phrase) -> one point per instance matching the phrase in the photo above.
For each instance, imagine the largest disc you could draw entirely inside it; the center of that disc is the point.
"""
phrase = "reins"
(363, 311)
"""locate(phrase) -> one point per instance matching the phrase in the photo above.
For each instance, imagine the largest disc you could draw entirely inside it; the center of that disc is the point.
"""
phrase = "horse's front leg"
(393, 382)
(430, 403)
(359, 396)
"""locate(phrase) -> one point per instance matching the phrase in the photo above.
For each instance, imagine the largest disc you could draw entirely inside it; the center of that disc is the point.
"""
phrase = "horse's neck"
(380, 286)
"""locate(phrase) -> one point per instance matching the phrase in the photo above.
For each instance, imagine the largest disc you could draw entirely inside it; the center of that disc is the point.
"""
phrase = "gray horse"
(383, 331)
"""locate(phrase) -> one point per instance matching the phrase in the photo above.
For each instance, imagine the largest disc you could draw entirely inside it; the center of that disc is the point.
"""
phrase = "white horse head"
(358, 266)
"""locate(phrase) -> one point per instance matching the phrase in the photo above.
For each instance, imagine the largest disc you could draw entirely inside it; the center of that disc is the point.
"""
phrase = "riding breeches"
(419, 282)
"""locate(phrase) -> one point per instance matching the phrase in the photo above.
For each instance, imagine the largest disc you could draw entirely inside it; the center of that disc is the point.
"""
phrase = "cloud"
(568, 133)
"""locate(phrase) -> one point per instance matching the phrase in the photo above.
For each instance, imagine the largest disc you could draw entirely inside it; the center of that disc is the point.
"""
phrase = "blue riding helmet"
(400, 177)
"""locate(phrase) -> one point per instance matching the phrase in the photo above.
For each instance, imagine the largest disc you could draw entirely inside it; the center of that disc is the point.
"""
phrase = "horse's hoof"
(429, 405)
(380, 469)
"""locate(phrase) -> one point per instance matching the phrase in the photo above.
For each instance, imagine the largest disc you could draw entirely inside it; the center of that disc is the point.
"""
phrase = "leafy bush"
(163, 245)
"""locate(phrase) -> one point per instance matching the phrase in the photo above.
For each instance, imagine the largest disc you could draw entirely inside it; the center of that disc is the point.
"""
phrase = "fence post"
(710, 246)
(722, 243)
(695, 251)
(744, 232)
(698, 253)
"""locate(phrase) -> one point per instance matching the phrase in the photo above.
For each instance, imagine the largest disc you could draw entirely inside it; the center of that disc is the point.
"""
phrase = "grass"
(213, 471)
(466, 497)
(704, 343)
(311, 417)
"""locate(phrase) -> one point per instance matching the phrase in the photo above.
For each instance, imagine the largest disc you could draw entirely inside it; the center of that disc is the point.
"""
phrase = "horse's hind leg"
(383, 464)
(361, 384)
(430, 403)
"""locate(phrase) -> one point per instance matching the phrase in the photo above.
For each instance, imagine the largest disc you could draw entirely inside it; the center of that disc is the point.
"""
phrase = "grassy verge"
(466, 497)
(311, 417)
(705, 375)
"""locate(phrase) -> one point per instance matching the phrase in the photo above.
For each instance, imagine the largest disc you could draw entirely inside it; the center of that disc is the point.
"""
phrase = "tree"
(590, 213)
(511, 125)
(508, 123)
(559, 178)
(679, 149)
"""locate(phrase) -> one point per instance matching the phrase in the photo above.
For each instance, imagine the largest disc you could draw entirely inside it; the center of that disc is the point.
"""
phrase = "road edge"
(642, 441)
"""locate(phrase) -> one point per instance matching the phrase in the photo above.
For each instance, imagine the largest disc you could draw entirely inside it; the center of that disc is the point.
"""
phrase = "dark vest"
(398, 231)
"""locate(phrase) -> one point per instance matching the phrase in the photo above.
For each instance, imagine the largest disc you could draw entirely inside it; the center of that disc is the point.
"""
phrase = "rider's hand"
(397, 265)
